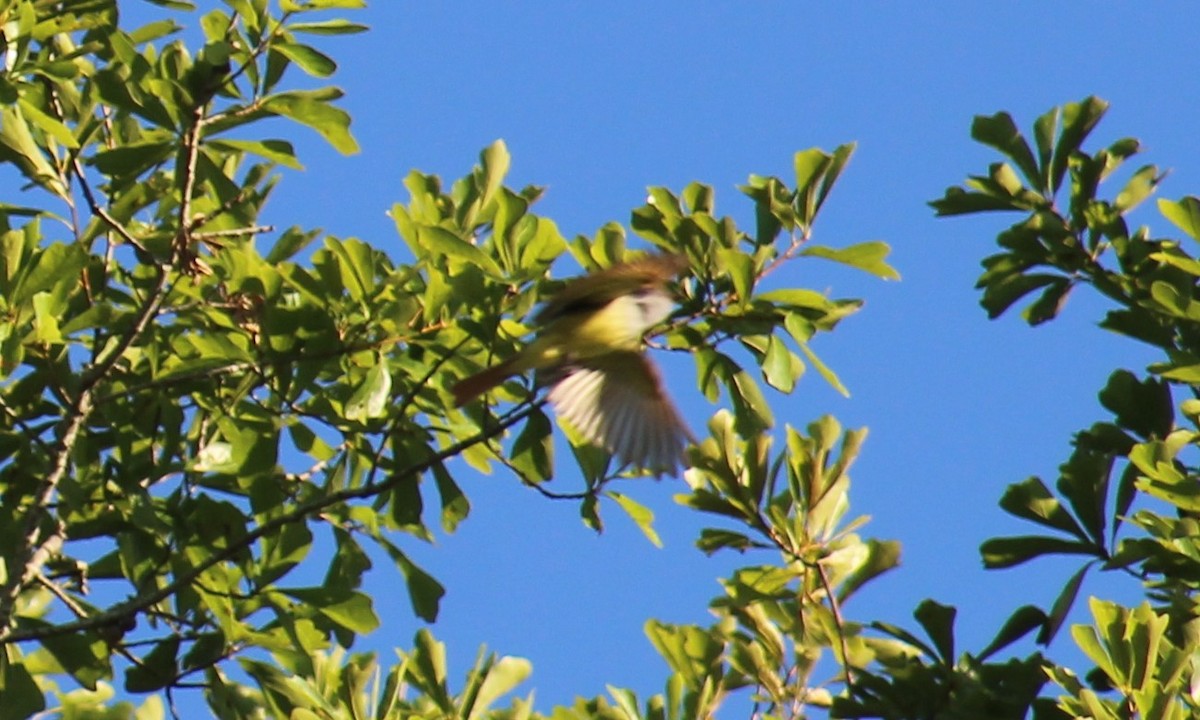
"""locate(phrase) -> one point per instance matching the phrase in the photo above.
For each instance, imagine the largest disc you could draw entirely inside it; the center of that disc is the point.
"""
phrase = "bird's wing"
(617, 401)
(595, 290)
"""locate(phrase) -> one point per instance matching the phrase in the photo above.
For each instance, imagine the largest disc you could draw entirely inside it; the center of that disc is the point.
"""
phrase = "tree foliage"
(192, 424)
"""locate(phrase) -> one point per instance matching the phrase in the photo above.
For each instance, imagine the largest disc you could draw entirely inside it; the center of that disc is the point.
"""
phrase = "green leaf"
(824, 370)
(84, 656)
(347, 608)
(1009, 551)
(698, 197)
(1001, 293)
(441, 241)
(1062, 606)
(22, 696)
(867, 256)
(1032, 500)
(159, 668)
(1143, 407)
(494, 164)
(1049, 303)
(370, 399)
(132, 159)
(1140, 186)
(349, 562)
(905, 637)
(883, 555)
(688, 650)
(277, 151)
(424, 590)
(426, 668)
(356, 262)
(938, 621)
(641, 515)
(311, 108)
(999, 131)
(1024, 620)
(18, 146)
(1084, 481)
(1079, 119)
(54, 270)
(533, 451)
(1185, 213)
(753, 412)
(739, 268)
(777, 365)
(407, 505)
(455, 505)
(48, 125)
(292, 241)
(589, 512)
(816, 173)
(501, 678)
(1043, 133)
(711, 539)
(307, 58)
(795, 297)
(328, 27)
(957, 201)
(45, 319)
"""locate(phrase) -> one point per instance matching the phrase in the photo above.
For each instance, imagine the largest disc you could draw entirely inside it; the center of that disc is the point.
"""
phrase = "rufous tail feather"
(469, 388)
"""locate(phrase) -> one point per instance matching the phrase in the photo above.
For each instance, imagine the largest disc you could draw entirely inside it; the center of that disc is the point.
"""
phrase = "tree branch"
(124, 612)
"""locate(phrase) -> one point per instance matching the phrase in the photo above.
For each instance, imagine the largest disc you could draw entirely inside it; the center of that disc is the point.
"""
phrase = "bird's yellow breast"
(617, 326)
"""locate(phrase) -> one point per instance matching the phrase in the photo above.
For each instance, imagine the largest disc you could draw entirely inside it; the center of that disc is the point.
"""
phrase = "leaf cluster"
(1124, 499)
(196, 406)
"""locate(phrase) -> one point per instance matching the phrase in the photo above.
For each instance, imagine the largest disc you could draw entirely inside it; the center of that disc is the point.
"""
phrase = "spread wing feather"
(617, 402)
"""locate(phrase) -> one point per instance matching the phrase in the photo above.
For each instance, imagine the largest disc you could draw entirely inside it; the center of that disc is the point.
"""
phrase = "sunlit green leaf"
(328, 27)
(1185, 213)
(824, 370)
(278, 151)
(640, 514)
(351, 609)
(312, 108)
(868, 256)
(370, 399)
(307, 58)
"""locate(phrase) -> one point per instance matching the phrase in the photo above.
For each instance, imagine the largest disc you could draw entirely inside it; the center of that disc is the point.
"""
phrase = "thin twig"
(191, 147)
(235, 232)
(839, 623)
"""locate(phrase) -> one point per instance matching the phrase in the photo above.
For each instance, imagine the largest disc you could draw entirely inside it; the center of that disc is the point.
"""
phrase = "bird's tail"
(469, 388)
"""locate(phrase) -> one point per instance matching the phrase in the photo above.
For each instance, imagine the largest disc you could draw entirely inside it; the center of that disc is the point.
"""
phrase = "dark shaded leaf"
(1024, 620)
(158, 668)
(1062, 606)
(938, 621)
(999, 131)
(1143, 407)
(1032, 500)
(1009, 551)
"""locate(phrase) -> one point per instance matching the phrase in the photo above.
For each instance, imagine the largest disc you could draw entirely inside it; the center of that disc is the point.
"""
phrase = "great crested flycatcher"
(589, 348)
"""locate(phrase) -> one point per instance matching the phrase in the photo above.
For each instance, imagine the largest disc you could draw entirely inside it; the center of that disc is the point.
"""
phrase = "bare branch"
(234, 232)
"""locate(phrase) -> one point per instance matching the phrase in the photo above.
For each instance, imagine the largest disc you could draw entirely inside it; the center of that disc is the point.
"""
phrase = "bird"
(590, 350)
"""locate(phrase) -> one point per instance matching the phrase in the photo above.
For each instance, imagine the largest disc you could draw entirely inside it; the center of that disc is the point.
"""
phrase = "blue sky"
(599, 100)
